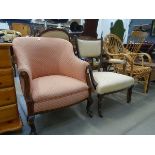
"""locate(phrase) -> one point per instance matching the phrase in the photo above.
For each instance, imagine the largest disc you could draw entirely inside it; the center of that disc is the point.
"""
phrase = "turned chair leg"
(99, 105)
(147, 83)
(129, 93)
(88, 107)
(32, 125)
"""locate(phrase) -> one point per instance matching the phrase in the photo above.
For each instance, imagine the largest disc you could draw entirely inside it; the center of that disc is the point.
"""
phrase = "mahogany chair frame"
(24, 77)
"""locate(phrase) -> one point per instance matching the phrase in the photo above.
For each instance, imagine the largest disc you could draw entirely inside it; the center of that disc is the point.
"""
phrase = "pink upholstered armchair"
(51, 76)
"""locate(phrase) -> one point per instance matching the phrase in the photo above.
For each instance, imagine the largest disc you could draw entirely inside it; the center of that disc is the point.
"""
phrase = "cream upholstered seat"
(104, 82)
(51, 76)
(108, 82)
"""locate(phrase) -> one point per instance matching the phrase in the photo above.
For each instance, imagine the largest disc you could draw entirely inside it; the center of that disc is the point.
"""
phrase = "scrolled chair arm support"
(91, 77)
(25, 77)
(142, 55)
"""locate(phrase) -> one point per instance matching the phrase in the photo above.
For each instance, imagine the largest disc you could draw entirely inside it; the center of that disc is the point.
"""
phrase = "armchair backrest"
(114, 48)
(42, 56)
(55, 33)
(113, 44)
(89, 48)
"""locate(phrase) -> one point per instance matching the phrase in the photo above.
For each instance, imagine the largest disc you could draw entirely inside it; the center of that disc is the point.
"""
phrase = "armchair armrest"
(25, 81)
(123, 56)
(142, 55)
(90, 77)
(74, 67)
(127, 58)
(117, 61)
(25, 84)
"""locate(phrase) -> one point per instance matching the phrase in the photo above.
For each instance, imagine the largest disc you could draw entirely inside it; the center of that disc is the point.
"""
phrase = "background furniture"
(52, 77)
(55, 33)
(23, 28)
(148, 47)
(153, 28)
(9, 35)
(75, 27)
(90, 28)
(61, 33)
(114, 48)
(103, 82)
(135, 40)
(9, 116)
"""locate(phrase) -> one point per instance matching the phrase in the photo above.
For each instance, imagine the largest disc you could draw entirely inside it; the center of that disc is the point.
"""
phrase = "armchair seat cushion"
(110, 82)
(52, 92)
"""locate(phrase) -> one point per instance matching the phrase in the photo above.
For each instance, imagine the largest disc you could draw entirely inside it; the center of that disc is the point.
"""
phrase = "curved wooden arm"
(25, 77)
(26, 91)
(91, 77)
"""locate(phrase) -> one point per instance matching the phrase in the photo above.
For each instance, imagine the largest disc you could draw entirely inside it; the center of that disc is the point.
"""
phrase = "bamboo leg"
(146, 83)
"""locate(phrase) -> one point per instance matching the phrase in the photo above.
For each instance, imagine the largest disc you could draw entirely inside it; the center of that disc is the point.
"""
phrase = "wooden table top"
(5, 44)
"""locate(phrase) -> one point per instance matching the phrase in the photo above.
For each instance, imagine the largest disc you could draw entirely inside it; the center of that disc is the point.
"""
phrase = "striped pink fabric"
(57, 76)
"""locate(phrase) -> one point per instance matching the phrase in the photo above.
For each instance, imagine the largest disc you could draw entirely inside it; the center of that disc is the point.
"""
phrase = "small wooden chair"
(103, 82)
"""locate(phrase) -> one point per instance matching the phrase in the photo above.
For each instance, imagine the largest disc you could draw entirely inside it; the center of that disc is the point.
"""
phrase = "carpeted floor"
(119, 117)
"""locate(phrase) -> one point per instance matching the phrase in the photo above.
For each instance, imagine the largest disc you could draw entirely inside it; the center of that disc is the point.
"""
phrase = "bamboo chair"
(114, 48)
